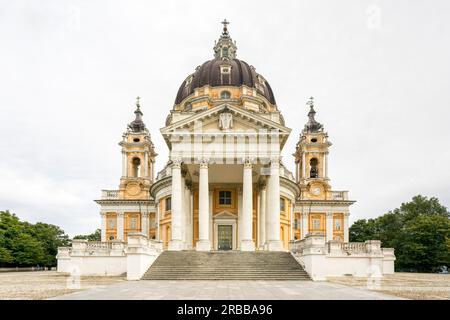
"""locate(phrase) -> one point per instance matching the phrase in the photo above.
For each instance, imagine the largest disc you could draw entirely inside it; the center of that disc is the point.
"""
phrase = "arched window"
(314, 171)
(225, 95)
(136, 167)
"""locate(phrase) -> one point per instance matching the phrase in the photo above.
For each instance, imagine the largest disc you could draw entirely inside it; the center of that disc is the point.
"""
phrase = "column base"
(274, 245)
(203, 245)
(175, 245)
(247, 245)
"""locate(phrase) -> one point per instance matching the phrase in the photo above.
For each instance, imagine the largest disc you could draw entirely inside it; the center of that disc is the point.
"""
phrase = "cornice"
(325, 202)
(125, 201)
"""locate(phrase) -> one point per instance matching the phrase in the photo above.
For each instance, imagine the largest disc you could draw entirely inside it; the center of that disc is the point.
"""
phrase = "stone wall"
(115, 258)
(325, 259)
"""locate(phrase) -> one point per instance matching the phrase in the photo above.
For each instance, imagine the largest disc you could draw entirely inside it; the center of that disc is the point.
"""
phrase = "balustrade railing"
(353, 247)
(339, 195)
(110, 194)
(98, 245)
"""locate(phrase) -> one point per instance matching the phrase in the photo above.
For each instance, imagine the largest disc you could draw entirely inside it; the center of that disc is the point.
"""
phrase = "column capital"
(176, 163)
(204, 163)
(103, 214)
(120, 214)
(248, 161)
(275, 162)
(329, 214)
(248, 165)
(145, 214)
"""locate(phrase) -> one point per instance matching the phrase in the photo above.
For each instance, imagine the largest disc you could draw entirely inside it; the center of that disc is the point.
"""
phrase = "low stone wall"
(95, 258)
(141, 253)
(325, 259)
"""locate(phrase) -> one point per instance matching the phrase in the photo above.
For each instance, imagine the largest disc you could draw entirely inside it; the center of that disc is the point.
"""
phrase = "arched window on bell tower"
(136, 162)
(314, 171)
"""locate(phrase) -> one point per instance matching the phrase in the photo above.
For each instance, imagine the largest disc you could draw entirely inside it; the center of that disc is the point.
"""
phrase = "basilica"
(225, 206)
(225, 185)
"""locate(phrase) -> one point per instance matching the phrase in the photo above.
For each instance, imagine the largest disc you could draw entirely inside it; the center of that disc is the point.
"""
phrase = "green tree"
(5, 256)
(28, 250)
(26, 244)
(51, 237)
(95, 236)
(419, 231)
(425, 245)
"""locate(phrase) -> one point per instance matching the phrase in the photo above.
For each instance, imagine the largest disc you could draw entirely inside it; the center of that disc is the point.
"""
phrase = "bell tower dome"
(138, 159)
(311, 157)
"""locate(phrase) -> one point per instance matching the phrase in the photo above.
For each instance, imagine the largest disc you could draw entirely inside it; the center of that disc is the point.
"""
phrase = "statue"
(225, 121)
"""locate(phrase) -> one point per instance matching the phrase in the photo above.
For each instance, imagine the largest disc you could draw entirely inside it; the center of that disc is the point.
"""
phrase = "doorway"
(225, 237)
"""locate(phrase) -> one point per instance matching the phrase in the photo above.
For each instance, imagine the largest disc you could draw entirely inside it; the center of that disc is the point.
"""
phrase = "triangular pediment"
(225, 215)
(210, 121)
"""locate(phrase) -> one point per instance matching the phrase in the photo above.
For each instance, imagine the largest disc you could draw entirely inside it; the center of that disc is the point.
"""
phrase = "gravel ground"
(417, 286)
(46, 284)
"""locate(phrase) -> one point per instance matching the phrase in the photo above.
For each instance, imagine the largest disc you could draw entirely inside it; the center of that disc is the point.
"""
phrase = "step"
(235, 265)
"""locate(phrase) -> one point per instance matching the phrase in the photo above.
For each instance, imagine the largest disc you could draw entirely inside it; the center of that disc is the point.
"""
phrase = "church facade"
(225, 185)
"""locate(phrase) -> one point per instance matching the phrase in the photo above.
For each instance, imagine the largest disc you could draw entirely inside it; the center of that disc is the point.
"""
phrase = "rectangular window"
(224, 197)
(133, 223)
(111, 223)
(337, 224)
(168, 205)
(316, 224)
(282, 205)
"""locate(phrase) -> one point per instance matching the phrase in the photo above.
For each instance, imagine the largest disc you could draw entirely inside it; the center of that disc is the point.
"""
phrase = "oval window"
(136, 140)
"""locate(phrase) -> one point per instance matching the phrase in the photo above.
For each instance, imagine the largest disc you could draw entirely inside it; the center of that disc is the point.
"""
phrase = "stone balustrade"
(339, 195)
(110, 258)
(63, 252)
(110, 194)
(96, 248)
(334, 258)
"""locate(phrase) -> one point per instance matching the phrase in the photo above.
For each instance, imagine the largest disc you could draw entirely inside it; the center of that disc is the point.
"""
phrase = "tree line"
(419, 231)
(24, 244)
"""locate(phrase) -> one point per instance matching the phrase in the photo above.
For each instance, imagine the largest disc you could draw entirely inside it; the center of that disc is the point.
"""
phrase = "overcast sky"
(70, 71)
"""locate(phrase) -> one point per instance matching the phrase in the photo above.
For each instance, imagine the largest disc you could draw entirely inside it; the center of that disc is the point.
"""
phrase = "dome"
(211, 73)
(225, 70)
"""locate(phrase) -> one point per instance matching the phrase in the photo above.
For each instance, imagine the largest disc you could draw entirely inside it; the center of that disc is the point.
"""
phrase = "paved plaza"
(225, 290)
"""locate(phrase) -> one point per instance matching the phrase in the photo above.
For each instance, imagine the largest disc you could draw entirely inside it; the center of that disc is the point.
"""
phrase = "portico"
(226, 195)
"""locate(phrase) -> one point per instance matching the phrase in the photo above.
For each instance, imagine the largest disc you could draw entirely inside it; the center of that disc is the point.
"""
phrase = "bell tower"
(138, 159)
(311, 159)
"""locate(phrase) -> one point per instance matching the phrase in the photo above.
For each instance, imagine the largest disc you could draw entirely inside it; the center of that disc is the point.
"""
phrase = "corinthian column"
(203, 243)
(329, 226)
(273, 242)
(176, 242)
(120, 233)
(262, 215)
(247, 243)
(104, 226)
(346, 238)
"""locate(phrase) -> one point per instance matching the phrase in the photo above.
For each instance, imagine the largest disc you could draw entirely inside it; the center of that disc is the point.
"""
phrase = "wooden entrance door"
(225, 237)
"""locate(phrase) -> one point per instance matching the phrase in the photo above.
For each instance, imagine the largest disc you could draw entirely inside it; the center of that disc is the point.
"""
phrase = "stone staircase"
(225, 265)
